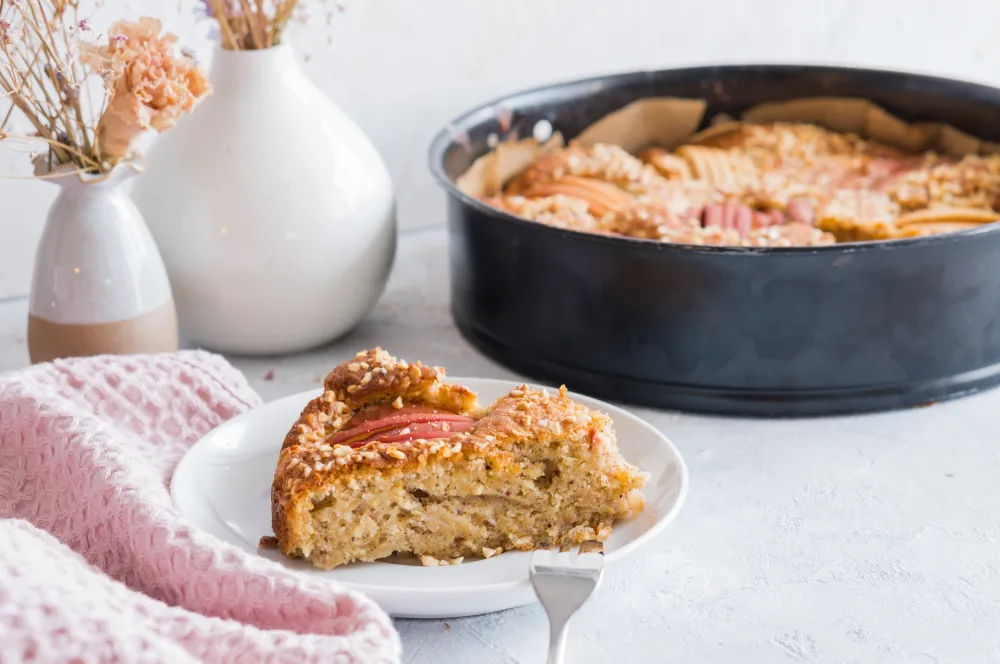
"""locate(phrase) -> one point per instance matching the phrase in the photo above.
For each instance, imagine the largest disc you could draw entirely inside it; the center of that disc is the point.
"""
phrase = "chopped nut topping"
(743, 187)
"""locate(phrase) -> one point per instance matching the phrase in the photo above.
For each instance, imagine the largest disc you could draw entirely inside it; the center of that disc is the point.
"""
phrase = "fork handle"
(557, 642)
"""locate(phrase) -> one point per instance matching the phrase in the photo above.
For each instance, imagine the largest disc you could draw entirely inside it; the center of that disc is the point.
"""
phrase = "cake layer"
(411, 464)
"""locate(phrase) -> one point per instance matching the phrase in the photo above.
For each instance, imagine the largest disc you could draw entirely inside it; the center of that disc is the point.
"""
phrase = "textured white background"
(403, 68)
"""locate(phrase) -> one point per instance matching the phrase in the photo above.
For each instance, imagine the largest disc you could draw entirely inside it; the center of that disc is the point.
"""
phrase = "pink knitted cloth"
(87, 448)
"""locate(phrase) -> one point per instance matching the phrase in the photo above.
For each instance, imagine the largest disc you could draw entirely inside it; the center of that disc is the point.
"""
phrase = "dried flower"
(152, 83)
(46, 71)
(257, 24)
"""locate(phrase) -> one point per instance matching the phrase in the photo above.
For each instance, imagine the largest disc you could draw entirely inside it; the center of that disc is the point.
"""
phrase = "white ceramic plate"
(223, 485)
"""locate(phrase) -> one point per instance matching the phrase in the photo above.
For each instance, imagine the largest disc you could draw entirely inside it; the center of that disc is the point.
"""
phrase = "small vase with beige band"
(99, 284)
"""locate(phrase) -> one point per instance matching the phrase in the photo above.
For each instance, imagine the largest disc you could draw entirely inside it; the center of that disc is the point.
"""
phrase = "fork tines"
(564, 581)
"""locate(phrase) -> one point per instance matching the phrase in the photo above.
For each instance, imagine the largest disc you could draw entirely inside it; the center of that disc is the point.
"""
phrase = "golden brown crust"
(373, 376)
(532, 415)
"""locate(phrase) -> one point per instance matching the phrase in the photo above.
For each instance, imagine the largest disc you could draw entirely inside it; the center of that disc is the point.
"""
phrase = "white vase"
(99, 284)
(274, 212)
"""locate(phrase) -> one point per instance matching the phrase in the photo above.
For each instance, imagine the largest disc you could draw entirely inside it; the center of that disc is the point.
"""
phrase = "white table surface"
(835, 540)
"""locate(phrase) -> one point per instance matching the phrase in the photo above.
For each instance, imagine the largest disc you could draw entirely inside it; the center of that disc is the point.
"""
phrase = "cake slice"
(392, 459)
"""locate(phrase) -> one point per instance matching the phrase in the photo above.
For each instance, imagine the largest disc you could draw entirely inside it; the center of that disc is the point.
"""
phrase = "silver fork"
(564, 580)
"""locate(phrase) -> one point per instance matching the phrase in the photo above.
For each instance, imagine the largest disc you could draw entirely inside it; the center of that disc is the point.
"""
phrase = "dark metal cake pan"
(776, 331)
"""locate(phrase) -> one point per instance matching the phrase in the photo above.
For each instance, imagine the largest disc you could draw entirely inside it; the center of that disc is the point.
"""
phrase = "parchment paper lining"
(670, 121)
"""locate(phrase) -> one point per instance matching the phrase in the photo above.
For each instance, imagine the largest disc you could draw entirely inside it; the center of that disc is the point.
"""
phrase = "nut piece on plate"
(393, 459)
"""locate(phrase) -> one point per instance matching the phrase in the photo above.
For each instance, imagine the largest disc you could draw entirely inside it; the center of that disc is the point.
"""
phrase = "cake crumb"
(268, 542)
(635, 502)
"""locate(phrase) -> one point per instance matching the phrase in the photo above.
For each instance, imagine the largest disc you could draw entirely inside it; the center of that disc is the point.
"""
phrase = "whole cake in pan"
(759, 185)
(392, 459)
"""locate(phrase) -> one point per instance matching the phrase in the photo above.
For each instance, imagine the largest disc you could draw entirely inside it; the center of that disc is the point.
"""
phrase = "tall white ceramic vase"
(273, 211)
(99, 284)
